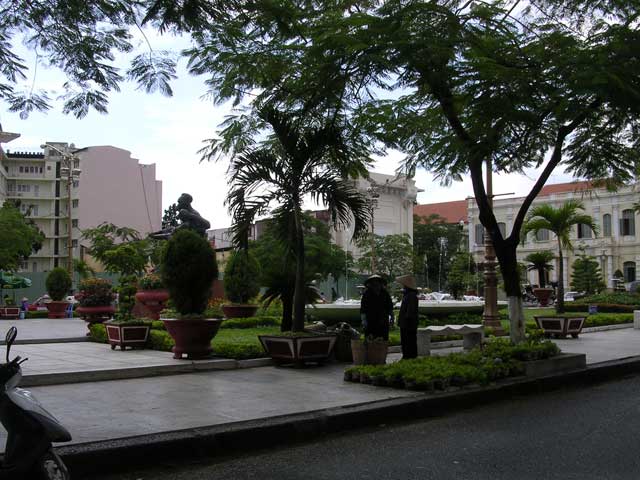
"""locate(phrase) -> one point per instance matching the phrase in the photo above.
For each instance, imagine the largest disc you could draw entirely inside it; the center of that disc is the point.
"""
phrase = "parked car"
(572, 296)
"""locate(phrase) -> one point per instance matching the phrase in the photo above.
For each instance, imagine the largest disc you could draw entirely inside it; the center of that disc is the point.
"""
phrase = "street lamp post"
(71, 174)
(373, 203)
(490, 316)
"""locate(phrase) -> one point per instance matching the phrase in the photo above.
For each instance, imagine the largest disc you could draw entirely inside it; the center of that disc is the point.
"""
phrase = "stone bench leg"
(471, 340)
(424, 343)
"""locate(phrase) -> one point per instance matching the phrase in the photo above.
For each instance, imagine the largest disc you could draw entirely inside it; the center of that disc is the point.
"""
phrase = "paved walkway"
(45, 328)
(103, 410)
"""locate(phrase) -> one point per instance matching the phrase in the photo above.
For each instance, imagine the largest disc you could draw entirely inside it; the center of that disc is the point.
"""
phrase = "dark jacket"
(377, 308)
(408, 317)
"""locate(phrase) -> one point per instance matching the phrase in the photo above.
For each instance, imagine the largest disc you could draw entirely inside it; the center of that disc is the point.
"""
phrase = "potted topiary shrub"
(58, 284)
(188, 270)
(152, 294)
(241, 284)
(125, 330)
(95, 300)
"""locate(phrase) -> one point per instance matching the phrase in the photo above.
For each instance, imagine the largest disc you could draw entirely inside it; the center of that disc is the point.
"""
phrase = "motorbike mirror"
(10, 338)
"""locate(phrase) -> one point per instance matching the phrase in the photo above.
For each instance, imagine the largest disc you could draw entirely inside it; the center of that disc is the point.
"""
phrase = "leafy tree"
(587, 276)
(541, 263)
(299, 158)
(462, 274)
(19, 237)
(559, 221)
(170, 217)
(428, 255)
(393, 254)
(83, 269)
(58, 283)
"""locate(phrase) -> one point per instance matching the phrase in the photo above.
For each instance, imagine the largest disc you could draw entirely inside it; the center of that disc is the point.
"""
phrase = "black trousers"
(409, 340)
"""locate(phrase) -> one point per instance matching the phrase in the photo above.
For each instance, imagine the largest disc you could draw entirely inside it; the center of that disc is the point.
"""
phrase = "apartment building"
(65, 190)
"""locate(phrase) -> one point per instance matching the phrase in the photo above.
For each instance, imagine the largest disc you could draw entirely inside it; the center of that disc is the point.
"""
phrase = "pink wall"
(113, 188)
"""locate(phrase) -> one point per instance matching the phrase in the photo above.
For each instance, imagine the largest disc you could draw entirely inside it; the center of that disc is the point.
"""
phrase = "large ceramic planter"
(57, 309)
(232, 310)
(122, 335)
(560, 326)
(543, 295)
(299, 349)
(153, 300)
(97, 314)
(192, 337)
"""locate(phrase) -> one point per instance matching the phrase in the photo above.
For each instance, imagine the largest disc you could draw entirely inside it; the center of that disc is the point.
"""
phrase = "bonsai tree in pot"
(241, 284)
(58, 284)
(541, 262)
(96, 298)
(152, 294)
(188, 270)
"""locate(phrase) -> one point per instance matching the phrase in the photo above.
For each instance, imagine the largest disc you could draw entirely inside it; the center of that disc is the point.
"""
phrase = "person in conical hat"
(376, 308)
(408, 317)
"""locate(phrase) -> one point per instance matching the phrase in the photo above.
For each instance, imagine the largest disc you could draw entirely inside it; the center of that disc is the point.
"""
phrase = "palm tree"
(559, 221)
(301, 159)
(541, 262)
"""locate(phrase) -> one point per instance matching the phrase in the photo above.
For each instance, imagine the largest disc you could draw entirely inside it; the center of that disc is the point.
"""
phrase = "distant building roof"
(451, 212)
(580, 186)
(24, 155)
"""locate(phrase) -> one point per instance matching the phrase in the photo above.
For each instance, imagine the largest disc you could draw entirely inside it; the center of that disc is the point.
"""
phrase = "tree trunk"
(541, 277)
(299, 296)
(287, 312)
(509, 268)
(560, 297)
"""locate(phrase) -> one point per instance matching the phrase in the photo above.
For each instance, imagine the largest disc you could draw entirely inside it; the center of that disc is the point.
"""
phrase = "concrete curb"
(39, 380)
(137, 452)
(605, 328)
(37, 341)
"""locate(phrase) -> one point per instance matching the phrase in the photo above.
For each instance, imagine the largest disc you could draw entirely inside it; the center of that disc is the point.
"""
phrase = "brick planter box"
(122, 335)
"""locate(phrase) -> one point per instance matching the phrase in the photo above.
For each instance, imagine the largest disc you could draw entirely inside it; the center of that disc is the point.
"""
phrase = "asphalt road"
(588, 433)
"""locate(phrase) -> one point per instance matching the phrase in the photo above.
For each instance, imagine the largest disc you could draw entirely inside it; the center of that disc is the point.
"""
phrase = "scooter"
(30, 428)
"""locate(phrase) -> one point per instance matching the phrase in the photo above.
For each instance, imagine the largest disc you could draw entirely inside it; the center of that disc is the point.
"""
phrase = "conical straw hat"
(408, 281)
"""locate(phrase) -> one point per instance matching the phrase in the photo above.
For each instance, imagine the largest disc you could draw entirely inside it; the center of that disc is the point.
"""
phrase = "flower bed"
(498, 359)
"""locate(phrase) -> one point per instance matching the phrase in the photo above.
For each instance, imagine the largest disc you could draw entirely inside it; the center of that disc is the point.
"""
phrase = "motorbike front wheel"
(51, 467)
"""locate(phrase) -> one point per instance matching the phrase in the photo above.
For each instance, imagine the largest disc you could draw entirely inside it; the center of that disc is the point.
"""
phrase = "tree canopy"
(19, 237)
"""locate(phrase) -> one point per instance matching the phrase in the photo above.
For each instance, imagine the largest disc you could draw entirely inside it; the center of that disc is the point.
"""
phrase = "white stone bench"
(472, 336)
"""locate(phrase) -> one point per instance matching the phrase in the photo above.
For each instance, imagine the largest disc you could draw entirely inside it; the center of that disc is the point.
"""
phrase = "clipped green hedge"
(251, 322)
(611, 298)
(601, 319)
(498, 359)
(602, 307)
(37, 314)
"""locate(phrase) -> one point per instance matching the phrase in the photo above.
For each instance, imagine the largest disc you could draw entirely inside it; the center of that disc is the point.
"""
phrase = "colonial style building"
(617, 247)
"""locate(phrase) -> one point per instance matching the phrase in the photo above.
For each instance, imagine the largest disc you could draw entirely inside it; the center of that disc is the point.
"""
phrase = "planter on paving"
(57, 309)
(153, 300)
(298, 349)
(560, 325)
(233, 310)
(369, 353)
(98, 314)
(543, 295)
(192, 337)
(123, 335)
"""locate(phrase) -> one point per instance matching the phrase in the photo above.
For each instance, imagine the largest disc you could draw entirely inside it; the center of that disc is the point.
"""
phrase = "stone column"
(615, 220)
(472, 232)
(610, 271)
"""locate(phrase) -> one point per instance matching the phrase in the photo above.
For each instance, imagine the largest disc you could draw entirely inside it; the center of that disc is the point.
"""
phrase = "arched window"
(606, 225)
(479, 234)
(584, 231)
(628, 222)
(542, 235)
(629, 269)
(503, 229)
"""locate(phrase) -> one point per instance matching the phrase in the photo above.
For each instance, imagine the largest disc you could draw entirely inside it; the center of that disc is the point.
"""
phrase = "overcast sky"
(170, 131)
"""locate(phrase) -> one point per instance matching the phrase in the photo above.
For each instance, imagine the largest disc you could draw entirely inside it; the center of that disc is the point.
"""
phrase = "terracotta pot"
(192, 337)
(299, 349)
(236, 310)
(134, 336)
(97, 314)
(153, 300)
(57, 309)
(543, 295)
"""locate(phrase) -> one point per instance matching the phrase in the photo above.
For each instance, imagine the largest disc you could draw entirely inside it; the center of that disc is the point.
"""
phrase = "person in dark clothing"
(408, 317)
(376, 308)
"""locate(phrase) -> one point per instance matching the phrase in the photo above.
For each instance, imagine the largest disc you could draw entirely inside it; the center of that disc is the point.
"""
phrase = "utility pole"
(373, 203)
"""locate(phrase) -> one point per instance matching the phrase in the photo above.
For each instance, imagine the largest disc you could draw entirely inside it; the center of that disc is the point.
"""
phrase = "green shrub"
(160, 340)
(95, 292)
(37, 314)
(611, 298)
(188, 270)
(157, 325)
(151, 281)
(602, 307)
(238, 351)
(251, 322)
(58, 283)
(241, 277)
(98, 333)
(601, 319)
